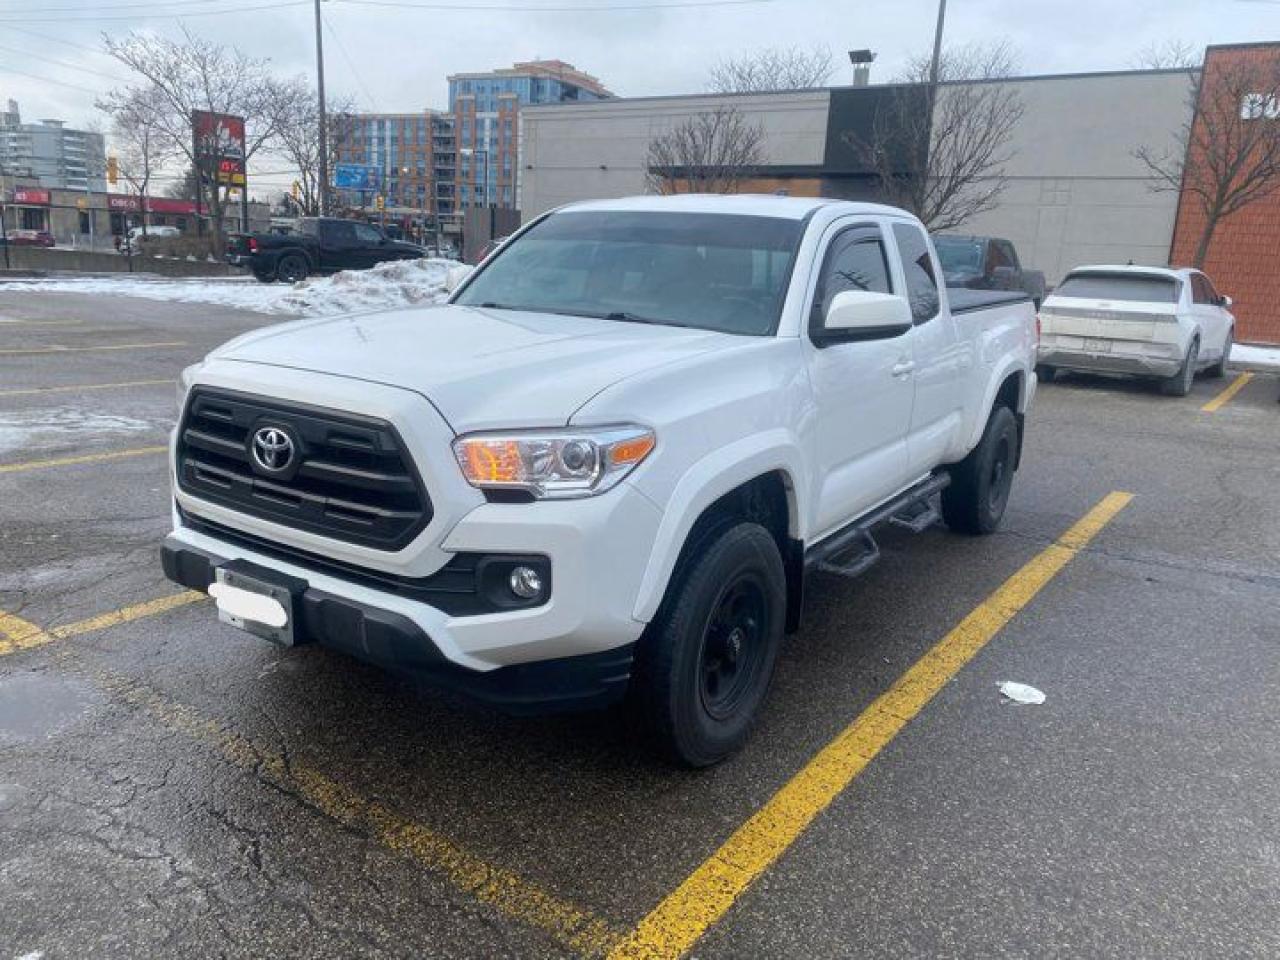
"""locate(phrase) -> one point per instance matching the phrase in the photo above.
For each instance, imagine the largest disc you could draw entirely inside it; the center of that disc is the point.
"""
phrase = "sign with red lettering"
(28, 195)
(219, 147)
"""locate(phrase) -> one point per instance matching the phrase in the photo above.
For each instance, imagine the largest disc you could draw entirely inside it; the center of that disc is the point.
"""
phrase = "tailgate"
(238, 244)
(1145, 322)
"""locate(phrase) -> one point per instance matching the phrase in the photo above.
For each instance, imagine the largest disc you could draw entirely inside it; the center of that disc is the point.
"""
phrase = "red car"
(31, 238)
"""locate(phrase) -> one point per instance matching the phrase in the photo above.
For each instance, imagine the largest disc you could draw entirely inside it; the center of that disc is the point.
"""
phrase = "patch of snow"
(33, 955)
(399, 283)
(25, 430)
(1021, 693)
(1255, 356)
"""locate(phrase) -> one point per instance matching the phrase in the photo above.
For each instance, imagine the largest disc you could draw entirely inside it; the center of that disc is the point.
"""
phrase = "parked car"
(316, 245)
(31, 238)
(489, 247)
(611, 460)
(139, 234)
(1149, 321)
(986, 263)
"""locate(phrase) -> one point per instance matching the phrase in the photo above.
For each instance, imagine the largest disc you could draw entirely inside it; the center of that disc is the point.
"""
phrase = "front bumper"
(398, 643)
(1119, 356)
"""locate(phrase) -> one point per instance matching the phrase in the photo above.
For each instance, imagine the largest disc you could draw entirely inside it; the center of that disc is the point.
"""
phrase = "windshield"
(713, 271)
(1136, 287)
(959, 255)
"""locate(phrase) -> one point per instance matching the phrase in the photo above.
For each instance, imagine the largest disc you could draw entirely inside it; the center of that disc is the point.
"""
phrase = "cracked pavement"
(171, 787)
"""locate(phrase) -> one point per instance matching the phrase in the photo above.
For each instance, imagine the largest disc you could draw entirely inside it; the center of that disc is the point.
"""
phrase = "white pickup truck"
(609, 462)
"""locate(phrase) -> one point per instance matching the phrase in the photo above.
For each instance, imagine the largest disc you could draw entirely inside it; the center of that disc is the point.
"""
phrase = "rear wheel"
(1219, 369)
(1179, 385)
(705, 663)
(264, 274)
(1046, 373)
(980, 483)
(291, 268)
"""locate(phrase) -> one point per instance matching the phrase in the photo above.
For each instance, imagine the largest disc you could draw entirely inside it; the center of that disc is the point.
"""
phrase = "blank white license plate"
(253, 605)
(1094, 345)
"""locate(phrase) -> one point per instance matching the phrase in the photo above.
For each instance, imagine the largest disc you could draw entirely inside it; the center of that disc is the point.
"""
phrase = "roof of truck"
(748, 204)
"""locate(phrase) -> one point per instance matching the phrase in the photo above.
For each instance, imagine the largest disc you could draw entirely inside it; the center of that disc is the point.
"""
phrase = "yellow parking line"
(18, 634)
(77, 388)
(111, 346)
(706, 895)
(83, 458)
(1222, 399)
(39, 323)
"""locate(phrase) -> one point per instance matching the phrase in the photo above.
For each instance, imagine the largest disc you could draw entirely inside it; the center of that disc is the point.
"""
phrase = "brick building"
(414, 156)
(1241, 256)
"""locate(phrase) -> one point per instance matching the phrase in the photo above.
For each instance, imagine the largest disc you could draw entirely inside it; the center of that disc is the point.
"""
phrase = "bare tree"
(1227, 154)
(1168, 55)
(946, 163)
(193, 74)
(142, 149)
(299, 141)
(710, 152)
(773, 68)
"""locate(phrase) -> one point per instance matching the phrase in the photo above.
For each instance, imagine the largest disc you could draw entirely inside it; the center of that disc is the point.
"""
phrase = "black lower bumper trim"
(394, 642)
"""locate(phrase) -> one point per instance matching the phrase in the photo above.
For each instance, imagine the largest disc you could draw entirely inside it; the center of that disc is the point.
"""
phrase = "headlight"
(185, 379)
(553, 464)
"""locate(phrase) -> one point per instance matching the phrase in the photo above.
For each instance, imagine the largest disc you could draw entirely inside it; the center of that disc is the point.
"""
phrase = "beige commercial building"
(1075, 192)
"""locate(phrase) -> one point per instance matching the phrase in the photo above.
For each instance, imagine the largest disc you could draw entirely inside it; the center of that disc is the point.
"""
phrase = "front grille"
(349, 477)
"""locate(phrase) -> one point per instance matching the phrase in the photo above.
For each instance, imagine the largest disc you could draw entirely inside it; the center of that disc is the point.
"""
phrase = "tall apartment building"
(60, 157)
(414, 154)
(486, 114)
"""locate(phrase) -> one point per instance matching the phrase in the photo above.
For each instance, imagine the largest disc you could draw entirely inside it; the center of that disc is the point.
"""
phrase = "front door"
(862, 388)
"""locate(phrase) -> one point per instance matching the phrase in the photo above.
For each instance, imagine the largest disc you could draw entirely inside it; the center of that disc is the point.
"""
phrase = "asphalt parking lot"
(169, 786)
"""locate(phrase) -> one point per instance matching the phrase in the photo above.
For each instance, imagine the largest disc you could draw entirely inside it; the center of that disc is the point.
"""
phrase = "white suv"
(1150, 321)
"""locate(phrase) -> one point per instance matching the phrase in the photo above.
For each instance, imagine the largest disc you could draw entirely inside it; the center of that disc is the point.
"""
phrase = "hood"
(483, 369)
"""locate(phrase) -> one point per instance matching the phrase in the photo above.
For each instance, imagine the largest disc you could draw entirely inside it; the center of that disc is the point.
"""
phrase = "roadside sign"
(355, 176)
(219, 147)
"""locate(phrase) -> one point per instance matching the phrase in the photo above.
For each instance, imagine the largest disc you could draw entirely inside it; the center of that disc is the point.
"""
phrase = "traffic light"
(113, 171)
(380, 202)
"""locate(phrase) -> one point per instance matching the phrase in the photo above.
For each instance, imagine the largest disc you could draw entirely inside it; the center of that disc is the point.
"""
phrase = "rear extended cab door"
(862, 388)
(338, 246)
(940, 357)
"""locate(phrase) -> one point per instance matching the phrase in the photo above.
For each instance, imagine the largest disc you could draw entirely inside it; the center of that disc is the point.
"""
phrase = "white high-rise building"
(60, 157)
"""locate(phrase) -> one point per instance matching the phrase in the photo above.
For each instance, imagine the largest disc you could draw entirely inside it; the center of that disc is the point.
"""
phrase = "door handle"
(903, 367)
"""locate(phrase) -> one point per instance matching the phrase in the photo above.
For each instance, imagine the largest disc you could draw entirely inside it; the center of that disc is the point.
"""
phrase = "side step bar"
(852, 549)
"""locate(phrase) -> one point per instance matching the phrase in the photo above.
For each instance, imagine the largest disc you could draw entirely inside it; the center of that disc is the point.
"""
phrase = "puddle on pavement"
(33, 706)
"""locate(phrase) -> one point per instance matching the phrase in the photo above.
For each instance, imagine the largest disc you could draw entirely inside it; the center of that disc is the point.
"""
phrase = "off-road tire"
(1046, 373)
(671, 680)
(975, 500)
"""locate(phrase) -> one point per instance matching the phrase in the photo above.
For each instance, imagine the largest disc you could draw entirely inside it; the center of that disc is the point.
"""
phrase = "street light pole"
(937, 45)
(323, 132)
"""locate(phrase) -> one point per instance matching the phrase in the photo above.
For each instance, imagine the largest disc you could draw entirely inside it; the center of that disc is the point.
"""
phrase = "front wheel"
(704, 665)
(975, 500)
(1045, 373)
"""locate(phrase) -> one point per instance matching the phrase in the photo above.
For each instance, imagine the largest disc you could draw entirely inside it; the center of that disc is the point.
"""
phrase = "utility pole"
(937, 45)
(323, 136)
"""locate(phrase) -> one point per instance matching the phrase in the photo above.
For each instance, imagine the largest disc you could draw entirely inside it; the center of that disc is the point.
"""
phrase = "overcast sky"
(393, 58)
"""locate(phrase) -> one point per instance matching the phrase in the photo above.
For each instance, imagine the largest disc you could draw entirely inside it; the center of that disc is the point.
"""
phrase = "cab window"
(917, 267)
(855, 260)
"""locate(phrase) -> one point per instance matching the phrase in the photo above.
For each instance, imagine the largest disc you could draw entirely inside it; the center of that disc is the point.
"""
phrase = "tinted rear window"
(1119, 286)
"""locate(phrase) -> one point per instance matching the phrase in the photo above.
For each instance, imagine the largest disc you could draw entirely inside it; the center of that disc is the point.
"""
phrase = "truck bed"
(964, 300)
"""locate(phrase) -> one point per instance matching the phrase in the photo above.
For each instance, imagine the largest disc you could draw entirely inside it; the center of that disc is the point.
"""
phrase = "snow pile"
(34, 429)
(399, 283)
(1252, 356)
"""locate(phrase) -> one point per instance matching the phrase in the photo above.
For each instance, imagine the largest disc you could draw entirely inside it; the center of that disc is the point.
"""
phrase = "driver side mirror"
(865, 315)
(454, 276)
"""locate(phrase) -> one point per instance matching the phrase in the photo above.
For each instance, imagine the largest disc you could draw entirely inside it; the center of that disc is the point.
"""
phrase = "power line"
(69, 66)
(66, 43)
(158, 14)
(342, 49)
(60, 83)
(119, 6)
(509, 8)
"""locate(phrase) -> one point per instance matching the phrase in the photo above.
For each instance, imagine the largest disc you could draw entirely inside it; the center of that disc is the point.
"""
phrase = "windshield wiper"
(625, 316)
(490, 305)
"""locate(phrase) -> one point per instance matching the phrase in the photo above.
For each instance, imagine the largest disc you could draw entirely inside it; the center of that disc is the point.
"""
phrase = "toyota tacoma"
(609, 464)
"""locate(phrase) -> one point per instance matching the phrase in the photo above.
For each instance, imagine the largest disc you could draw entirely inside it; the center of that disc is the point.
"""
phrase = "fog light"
(525, 582)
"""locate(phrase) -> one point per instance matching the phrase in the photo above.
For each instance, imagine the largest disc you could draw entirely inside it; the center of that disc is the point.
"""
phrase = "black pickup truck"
(986, 263)
(316, 245)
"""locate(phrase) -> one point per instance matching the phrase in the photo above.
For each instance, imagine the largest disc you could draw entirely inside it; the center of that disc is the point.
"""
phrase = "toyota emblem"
(272, 449)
